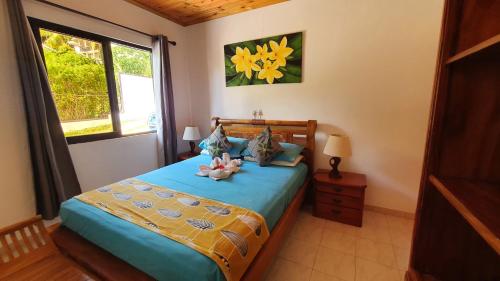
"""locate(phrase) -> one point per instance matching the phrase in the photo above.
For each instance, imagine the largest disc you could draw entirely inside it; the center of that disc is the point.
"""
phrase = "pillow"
(288, 163)
(263, 148)
(217, 142)
(203, 144)
(290, 152)
(280, 163)
(237, 146)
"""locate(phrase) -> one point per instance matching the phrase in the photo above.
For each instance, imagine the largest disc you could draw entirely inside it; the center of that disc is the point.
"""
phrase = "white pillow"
(280, 163)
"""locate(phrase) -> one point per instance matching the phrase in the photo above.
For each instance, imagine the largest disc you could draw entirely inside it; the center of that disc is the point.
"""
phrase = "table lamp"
(191, 133)
(337, 146)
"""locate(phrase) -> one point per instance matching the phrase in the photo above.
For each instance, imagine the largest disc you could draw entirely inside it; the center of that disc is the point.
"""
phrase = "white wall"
(121, 158)
(368, 69)
(96, 163)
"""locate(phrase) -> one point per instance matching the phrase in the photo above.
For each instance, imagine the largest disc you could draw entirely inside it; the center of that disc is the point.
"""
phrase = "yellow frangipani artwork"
(270, 60)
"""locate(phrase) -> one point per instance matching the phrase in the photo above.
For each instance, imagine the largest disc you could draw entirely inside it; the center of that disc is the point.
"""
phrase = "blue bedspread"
(266, 190)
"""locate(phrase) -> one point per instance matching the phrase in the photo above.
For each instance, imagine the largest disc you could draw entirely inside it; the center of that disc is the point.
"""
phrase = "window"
(102, 87)
(134, 82)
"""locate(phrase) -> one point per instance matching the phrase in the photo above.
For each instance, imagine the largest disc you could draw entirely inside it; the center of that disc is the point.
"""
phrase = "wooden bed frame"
(109, 267)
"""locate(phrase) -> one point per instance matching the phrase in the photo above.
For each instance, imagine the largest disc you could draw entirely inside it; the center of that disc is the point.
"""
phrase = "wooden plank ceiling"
(188, 12)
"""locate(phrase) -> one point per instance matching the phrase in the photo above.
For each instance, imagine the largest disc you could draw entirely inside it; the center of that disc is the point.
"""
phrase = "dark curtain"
(54, 174)
(162, 81)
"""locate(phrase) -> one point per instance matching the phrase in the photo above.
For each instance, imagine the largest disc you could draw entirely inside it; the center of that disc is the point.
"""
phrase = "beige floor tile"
(340, 241)
(299, 251)
(399, 224)
(335, 263)
(284, 270)
(373, 218)
(341, 227)
(308, 228)
(402, 275)
(402, 257)
(380, 252)
(320, 276)
(374, 232)
(371, 271)
(401, 231)
(308, 216)
(401, 240)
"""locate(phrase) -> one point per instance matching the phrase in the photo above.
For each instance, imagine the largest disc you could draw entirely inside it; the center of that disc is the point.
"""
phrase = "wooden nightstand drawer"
(338, 200)
(337, 213)
(186, 155)
(339, 190)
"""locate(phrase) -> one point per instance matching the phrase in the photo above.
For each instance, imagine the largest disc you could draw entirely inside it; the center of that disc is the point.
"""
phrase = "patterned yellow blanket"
(229, 235)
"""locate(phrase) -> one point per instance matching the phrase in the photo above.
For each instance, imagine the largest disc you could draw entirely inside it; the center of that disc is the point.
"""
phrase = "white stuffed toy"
(220, 168)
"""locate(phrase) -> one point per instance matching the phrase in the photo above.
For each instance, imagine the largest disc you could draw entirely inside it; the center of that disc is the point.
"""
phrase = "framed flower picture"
(270, 60)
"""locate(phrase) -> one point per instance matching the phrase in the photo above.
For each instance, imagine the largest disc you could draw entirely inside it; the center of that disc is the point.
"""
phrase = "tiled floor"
(320, 250)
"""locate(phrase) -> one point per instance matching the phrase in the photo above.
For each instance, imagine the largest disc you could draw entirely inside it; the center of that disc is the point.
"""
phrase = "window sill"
(104, 136)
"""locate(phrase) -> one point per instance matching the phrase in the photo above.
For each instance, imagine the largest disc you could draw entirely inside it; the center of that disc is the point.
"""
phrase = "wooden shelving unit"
(477, 202)
(492, 44)
(412, 274)
(457, 225)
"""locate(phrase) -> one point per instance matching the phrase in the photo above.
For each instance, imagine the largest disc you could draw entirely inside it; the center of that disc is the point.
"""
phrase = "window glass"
(77, 79)
(134, 84)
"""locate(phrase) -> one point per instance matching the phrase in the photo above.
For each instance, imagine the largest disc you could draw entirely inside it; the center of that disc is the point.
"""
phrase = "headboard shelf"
(298, 132)
(263, 122)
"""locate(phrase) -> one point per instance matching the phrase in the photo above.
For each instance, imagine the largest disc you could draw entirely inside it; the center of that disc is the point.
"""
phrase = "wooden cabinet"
(457, 226)
(339, 199)
(186, 155)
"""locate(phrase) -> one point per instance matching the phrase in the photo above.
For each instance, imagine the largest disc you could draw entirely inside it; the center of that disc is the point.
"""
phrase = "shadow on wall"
(200, 81)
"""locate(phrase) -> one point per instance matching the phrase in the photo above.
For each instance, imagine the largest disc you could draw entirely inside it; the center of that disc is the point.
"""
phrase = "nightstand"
(340, 199)
(186, 155)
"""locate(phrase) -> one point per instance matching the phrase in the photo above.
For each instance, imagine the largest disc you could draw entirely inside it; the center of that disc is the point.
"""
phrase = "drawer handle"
(337, 189)
(337, 201)
(336, 212)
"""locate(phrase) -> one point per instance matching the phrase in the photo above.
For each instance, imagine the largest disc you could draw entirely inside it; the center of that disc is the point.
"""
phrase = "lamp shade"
(191, 133)
(338, 146)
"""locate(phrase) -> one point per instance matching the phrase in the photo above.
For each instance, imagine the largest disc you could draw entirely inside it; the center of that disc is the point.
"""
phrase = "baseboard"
(386, 211)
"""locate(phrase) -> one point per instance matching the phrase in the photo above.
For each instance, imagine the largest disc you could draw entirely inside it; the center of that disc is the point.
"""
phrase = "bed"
(115, 249)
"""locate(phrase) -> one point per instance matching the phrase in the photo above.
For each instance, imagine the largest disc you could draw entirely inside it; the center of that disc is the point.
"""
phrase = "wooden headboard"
(298, 132)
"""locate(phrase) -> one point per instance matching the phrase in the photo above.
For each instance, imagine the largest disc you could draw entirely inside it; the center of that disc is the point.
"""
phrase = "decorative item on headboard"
(256, 113)
(270, 60)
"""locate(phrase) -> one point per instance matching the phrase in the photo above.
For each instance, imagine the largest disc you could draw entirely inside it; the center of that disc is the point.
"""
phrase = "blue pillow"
(290, 152)
(203, 144)
(237, 145)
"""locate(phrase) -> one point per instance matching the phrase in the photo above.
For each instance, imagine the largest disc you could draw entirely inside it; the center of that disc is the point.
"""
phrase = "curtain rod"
(97, 18)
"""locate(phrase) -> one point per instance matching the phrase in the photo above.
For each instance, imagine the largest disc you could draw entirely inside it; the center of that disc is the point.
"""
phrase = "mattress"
(266, 190)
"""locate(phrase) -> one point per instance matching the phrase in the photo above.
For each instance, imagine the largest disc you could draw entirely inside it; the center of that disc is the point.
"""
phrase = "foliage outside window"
(90, 103)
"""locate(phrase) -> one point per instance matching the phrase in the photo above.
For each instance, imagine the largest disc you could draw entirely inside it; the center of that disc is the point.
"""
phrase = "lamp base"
(192, 145)
(334, 173)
